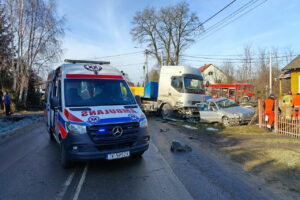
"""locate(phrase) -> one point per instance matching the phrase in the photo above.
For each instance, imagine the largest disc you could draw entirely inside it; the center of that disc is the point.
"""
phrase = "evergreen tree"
(6, 52)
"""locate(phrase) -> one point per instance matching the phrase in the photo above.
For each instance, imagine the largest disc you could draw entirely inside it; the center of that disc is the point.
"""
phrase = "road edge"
(20, 130)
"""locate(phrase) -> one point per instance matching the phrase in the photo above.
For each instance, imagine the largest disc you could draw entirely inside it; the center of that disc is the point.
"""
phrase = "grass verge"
(272, 156)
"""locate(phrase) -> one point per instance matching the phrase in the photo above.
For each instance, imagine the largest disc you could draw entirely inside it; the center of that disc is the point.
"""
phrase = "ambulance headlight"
(76, 128)
(144, 123)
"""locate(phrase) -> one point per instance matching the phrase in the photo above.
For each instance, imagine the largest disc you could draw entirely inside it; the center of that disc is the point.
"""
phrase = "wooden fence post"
(259, 113)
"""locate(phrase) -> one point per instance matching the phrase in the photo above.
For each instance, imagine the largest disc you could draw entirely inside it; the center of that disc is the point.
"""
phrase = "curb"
(20, 130)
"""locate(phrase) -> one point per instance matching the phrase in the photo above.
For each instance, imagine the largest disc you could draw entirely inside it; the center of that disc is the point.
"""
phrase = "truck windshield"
(193, 85)
(97, 92)
(226, 103)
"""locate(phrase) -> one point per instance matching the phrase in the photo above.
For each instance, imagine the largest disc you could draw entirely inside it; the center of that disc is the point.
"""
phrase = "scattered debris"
(158, 119)
(192, 138)
(190, 127)
(164, 130)
(178, 147)
(212, 129)
(175, 120)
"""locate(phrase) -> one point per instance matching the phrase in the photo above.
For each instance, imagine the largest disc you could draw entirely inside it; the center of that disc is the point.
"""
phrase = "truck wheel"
(65, 161)
(225, 121)
(167, 111)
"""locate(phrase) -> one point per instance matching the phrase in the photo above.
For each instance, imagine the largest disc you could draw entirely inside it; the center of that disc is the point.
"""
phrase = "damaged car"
(225, 111)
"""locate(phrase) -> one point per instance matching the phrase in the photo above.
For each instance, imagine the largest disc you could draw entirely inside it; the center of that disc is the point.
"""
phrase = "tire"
(166, 111)
(225, 121)
(65, 161)
(50, 132)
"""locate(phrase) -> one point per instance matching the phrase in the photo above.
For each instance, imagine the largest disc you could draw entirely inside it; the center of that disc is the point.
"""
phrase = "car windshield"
(193, 85)
(97, 92)
(226, 103)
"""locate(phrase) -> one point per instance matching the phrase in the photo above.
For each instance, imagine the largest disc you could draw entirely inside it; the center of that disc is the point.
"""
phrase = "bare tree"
(169, 30)
(229, 70)
(154, 75)
(246, 72)
(38, 31)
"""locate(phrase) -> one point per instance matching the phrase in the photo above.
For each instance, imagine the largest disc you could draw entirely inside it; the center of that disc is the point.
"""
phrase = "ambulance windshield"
(97, 92)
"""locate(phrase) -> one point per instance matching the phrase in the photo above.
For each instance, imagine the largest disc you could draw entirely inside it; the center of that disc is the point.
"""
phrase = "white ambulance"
(91, 112)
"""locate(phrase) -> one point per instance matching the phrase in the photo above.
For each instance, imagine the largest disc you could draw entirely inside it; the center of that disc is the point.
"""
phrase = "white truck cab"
(180, 88)
(91, 112)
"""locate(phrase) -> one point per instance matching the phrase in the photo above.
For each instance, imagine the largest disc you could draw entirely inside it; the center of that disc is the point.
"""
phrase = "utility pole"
(146, 66)
(270, 76)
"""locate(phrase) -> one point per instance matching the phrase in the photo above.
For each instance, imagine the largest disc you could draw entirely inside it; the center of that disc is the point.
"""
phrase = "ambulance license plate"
(119, 155)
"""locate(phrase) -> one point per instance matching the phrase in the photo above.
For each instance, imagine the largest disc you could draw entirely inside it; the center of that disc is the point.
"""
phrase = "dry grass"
(274, 157)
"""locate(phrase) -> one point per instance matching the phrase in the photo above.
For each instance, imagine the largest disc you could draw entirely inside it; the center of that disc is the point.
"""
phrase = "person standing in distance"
(269, 110)
(7, 102)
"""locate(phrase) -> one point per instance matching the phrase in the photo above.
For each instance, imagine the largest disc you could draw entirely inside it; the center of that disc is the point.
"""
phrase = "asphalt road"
(30, 169)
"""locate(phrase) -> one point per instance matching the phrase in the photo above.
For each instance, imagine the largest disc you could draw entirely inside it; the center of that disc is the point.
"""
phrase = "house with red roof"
(213, 74)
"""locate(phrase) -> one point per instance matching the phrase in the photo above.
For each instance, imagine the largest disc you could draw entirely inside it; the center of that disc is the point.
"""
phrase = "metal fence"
(282, 124)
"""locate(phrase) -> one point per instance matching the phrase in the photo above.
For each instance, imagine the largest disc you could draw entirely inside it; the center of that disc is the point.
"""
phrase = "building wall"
(216, 75)
(295, 76)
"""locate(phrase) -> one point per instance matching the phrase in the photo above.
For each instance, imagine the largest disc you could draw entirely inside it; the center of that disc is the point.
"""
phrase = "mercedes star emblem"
(117, 131)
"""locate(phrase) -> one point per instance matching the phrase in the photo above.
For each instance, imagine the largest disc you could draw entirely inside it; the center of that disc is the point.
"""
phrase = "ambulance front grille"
(130, 131)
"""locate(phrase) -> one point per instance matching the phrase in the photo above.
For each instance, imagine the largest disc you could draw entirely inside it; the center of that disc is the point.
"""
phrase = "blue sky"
(99, 28)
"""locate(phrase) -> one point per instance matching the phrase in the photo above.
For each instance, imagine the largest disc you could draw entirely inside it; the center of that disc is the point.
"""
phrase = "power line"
(252, 60)
(211, 17)
(237, 59)
(118, 55)
(121, 65)
(239, 13)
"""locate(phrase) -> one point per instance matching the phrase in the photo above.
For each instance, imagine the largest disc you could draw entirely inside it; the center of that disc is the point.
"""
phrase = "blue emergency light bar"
(87, 62)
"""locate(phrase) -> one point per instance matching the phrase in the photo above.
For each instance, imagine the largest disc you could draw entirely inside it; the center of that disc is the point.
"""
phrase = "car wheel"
(65, 161)
(167, 111)
(225, 121)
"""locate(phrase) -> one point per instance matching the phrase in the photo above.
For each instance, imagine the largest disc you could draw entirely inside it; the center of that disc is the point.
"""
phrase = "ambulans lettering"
(106, 111)
(92, 112)
(100, 112)
(84, 113)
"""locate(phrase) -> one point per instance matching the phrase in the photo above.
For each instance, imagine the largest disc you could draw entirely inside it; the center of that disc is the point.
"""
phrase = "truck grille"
(129, 135)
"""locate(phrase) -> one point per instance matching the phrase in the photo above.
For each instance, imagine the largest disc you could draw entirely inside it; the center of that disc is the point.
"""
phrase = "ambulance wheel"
(65, 161)
(167, 111)
(51, 136)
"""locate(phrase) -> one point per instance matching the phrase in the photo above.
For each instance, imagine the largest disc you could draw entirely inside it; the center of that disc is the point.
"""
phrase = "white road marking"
(65, 186)
(79, 186)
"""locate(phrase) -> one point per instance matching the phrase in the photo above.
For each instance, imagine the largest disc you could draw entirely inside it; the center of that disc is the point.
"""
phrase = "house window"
(210, 73)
